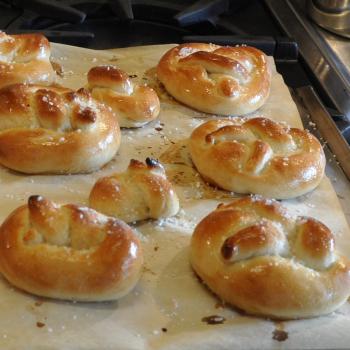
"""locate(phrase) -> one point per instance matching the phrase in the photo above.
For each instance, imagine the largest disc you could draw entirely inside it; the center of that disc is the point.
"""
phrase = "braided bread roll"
(216, 79)
(133, 105)
(141, 192)
(68, 252)
(55, 130)
(258, 156)
(255, 256)
(25, 58)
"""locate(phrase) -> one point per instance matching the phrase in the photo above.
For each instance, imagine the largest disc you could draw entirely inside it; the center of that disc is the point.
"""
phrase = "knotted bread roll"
(141, 192)
(257, 156)
(55, 130)
(216, 79)
(134, 105)
(255, 256)
(68, 252)
(25, 58)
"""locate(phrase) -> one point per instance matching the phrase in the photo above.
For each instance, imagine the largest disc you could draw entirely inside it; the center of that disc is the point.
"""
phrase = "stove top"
(121, 23)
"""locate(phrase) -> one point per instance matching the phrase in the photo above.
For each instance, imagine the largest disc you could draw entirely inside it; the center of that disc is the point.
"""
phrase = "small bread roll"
(133, 105)
(141, 192)
(68, 252)
(257, 156)
(25, 58)
(216, 79)
(257, 257)
(55, 130)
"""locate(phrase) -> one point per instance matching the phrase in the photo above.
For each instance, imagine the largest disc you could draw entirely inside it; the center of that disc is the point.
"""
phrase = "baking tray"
(167, 307)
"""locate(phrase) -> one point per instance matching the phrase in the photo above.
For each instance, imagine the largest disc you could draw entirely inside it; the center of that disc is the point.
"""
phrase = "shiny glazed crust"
(257, 156)
(25, 58)
(68, 252)
(216, 79)
(141, 192)
(134, 105)
(253, 255)
(55, 130)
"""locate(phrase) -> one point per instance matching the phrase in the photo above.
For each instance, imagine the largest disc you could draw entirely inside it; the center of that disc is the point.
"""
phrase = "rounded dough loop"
(134, 105)
(141, 192)
(257, 156)
(216, 79)
(255, 256)
(25, 58)
(69, 252)
(55, 130)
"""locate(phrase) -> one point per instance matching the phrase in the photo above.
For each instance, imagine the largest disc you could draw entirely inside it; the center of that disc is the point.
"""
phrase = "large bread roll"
(55, 130)
(216, 79)
(257, 257)
(257, 156)
(68, 252)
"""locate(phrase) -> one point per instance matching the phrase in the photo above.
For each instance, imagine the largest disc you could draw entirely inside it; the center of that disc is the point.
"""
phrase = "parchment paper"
(166, 308)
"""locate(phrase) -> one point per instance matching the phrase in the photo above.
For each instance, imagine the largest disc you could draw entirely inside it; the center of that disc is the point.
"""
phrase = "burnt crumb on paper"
(40, 324)
(132, 76)
(57, 68)
(164, 330)
(279, 335)
(156, 248)
(214, 319)
(159, 128)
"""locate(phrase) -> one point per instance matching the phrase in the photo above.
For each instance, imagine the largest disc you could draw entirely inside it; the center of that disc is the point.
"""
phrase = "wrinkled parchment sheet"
(166, 308)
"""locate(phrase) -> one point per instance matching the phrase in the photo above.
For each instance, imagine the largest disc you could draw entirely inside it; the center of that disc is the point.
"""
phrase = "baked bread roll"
(134, 105)
(257, 156)
(216, 79)
(55, 130)
(68, 252)
(257, 257)
(25, 58)
(141, 192)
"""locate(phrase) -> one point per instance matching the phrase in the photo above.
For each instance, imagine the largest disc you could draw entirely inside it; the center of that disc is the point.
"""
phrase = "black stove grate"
(120, 23)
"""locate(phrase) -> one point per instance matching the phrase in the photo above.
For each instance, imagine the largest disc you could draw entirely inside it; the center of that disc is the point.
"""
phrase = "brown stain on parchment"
(181, 171)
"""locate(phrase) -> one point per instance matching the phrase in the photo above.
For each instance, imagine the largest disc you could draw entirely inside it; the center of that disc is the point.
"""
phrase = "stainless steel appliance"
(333, 15)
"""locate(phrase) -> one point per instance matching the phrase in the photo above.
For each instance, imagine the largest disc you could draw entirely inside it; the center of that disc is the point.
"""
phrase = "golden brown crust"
(251, 253)
(139, 193)
(25, 58)
(55, 130)
(257, 156)
(216, 79)
(68, 252)
(133, 105)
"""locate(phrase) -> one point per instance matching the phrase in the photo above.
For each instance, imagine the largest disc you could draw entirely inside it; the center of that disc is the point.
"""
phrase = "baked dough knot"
(25, 58)
(141, 192)
(256, 256)
(216, 79)
(69, 252)
(55, 130)
(134, 105)
(258, 156)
